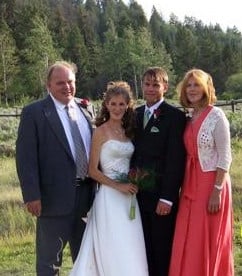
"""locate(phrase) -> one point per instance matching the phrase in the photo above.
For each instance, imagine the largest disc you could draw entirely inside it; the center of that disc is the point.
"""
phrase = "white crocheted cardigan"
(213, 141)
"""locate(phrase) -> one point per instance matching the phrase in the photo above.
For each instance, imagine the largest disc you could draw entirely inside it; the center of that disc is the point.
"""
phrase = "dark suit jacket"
(160, 148)
(45, 165)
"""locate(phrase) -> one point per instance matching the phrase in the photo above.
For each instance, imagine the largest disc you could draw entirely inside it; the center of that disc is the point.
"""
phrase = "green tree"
(76, 52)
(233, 87)
(8, 62)
(123, 19)
(137, 16)
(232, 51)
(139, 53)
(184, 51)
(112, 63)
(210, 56)
(37, 54)
(157, 27)
(109, 39)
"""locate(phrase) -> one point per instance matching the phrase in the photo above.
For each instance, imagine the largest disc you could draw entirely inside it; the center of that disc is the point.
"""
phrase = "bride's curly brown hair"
(115, 88)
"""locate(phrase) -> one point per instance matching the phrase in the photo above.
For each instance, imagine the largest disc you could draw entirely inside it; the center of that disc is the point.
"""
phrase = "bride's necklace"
(119, 132)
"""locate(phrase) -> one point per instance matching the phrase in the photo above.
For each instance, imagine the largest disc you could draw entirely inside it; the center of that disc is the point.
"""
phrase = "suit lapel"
(55, 124)
(140, 117)
(88, 116)
(161, 110)
(158, 111)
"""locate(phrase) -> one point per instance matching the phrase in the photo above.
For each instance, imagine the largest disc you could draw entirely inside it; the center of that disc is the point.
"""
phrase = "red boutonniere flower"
(157, 113)
(84, 103)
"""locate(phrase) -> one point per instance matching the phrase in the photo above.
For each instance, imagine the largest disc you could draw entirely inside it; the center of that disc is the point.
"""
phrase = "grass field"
(17, 227)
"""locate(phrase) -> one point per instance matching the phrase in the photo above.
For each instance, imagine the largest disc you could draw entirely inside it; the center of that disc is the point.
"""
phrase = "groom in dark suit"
(45, 159)
(159, 148)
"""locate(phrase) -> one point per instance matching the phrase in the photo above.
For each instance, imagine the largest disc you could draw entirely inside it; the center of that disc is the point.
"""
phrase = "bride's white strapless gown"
(112, 245)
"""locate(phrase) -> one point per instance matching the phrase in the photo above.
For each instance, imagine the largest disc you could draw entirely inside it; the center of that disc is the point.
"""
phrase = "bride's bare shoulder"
(101, 133)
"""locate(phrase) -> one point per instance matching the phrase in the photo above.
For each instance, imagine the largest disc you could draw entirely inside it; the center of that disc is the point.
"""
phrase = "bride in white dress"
(113, 244)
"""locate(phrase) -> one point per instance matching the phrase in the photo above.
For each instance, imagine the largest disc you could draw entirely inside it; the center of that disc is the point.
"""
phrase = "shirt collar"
(153, 107)
(60, 105)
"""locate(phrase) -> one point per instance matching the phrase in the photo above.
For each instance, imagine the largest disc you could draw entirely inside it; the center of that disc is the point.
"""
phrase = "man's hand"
(163, 209)
(34, 207)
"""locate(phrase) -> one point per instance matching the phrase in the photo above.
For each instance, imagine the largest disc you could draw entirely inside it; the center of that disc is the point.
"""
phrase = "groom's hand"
(163, 209)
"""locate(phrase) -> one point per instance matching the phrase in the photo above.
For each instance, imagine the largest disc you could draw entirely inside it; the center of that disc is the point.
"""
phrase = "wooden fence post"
(232, 105)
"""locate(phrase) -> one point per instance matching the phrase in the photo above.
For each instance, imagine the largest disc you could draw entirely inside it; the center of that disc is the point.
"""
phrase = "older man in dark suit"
(159, 148)
(54, 189)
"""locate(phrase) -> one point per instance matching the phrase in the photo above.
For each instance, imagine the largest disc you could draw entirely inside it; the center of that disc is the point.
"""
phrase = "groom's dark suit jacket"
(160, 148)
(44, 161)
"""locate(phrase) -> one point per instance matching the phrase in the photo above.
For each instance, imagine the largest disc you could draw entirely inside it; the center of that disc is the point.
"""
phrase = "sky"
(225, 13)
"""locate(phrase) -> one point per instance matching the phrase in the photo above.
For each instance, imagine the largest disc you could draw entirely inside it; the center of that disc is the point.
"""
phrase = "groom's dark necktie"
(80, 152)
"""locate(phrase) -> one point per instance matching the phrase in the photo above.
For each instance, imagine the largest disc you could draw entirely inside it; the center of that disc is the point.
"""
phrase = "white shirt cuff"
(166, 201)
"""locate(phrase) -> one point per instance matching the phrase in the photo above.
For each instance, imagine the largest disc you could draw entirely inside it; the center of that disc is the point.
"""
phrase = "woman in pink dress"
(202, 243)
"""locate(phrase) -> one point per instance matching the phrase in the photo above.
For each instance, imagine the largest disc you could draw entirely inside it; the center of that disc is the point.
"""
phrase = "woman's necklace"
(197, 113)
(119, 131)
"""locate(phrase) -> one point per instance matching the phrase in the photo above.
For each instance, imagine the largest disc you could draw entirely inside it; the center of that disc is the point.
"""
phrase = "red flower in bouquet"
(137, 177)
(144, 179)
(140, 177)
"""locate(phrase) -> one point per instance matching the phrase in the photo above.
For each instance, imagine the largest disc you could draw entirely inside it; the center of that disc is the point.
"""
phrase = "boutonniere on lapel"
(87, 108)
(157, 113)
(84, 103)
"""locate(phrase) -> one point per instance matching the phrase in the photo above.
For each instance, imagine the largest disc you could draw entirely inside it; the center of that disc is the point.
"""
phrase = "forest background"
(107, 40)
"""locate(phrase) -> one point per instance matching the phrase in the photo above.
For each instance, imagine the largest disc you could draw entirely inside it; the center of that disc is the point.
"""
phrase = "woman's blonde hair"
(204, 80)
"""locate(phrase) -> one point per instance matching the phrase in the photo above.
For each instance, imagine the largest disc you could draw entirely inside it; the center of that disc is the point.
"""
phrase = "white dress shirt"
(81, 121)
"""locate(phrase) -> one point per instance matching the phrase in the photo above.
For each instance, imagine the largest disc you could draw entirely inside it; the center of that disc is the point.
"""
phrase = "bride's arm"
(94, 171)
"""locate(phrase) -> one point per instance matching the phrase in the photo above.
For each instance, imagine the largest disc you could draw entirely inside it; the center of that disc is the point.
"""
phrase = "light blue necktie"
(146, 117)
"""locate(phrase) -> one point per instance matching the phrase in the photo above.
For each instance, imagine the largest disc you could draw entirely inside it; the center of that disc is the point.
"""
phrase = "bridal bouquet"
(144, 179)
